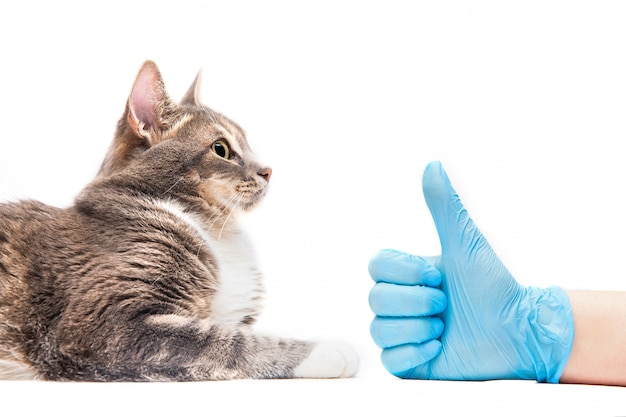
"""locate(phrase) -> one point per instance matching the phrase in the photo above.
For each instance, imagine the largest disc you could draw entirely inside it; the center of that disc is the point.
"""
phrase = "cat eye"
(220, 147)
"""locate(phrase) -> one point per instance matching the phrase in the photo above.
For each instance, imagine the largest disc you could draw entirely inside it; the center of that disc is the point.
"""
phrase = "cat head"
(183, 149)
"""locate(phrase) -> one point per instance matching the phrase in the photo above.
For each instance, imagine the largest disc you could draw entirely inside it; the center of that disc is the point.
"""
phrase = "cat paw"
(329, 360)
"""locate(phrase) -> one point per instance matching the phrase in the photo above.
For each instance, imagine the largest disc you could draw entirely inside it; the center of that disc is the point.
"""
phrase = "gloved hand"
(462, 316)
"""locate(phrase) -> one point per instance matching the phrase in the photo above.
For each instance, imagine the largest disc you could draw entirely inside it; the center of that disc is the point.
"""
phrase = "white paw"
(329, 360)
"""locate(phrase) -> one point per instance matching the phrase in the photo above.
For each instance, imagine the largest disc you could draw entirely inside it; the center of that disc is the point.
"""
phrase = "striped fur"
(148, 275)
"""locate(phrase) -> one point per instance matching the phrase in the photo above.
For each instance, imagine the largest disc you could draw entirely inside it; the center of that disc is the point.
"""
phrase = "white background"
(523, 102)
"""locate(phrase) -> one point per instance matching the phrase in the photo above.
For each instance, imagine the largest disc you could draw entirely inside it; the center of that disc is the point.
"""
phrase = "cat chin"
(245, 207)
(251, 203)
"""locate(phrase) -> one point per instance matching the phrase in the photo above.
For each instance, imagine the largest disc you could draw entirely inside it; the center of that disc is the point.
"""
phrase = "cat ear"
(192, 96)
(148, 104)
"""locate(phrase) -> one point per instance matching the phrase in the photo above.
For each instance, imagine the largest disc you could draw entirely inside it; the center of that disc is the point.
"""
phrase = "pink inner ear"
(143, 98)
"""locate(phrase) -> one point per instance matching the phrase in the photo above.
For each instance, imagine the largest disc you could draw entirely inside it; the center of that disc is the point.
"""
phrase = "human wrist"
(550, 332)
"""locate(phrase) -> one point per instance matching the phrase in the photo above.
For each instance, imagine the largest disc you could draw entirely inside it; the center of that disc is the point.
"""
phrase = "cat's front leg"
(190, 349)
(328, 360)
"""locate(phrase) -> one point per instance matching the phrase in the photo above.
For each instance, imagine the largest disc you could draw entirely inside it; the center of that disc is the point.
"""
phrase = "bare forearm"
(599, 350)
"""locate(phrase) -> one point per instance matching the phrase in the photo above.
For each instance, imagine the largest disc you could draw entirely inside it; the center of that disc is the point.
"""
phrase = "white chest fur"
(240, 288)
(240, 291)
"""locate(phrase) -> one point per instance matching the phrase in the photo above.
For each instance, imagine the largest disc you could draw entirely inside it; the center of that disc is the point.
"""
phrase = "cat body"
(148, 275)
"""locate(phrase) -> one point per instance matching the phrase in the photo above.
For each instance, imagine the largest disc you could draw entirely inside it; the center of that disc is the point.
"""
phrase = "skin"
(598, 353)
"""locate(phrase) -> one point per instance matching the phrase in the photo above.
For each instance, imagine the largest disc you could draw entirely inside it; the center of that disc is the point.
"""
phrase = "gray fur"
(124, 285)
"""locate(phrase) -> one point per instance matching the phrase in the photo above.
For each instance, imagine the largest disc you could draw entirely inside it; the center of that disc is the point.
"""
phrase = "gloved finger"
(402, 360)
(453, 223)
(397, 267)
(394, 331)
(390, 300)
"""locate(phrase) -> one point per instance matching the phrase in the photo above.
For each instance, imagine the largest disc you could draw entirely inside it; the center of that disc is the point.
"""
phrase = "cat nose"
(265, 173)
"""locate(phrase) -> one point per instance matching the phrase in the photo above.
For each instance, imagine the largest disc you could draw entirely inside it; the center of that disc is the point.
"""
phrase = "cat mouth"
(249, 199)
(249, 193)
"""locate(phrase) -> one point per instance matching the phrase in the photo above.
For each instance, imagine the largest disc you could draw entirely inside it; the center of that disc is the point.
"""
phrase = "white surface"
(382, 396)
(524, 102)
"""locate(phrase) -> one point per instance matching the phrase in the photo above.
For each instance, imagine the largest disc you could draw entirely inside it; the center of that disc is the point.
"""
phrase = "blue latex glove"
(462, 316)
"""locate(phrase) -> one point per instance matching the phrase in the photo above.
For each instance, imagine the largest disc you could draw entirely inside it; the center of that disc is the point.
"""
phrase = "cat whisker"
(173, 185)
(214, 218)
(240, 197)
(217, 216)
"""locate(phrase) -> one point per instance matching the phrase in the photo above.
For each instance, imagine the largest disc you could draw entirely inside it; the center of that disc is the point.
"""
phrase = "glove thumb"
(452, 221)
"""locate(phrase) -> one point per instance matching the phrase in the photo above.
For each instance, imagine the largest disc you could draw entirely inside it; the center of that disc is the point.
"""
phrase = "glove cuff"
(552, 332)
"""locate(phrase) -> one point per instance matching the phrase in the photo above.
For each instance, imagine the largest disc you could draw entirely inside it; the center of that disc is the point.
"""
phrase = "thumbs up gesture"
(462, 315)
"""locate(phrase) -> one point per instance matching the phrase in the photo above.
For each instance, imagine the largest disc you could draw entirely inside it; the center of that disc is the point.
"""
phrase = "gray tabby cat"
(147, 276)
